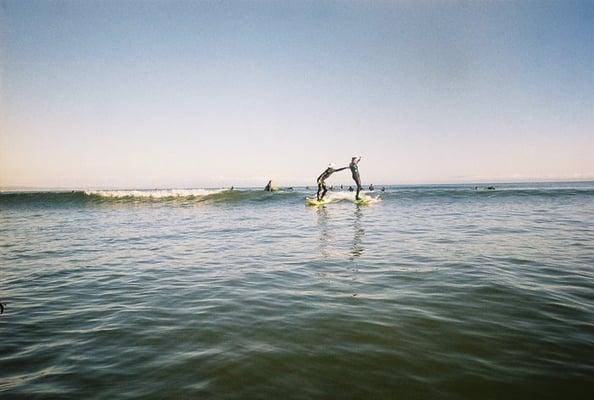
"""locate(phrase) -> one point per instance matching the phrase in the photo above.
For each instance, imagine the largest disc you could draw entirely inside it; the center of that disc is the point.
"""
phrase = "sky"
(148, 94)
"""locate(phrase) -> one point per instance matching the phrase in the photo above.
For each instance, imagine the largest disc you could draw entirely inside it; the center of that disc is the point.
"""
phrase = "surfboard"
(363, 201)
(315, 202)
(367, 200)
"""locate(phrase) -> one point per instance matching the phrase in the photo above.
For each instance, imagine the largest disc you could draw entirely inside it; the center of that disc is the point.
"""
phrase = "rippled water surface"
(432, 292)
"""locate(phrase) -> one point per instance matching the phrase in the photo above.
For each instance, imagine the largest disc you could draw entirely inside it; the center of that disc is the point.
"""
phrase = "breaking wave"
(146, 196)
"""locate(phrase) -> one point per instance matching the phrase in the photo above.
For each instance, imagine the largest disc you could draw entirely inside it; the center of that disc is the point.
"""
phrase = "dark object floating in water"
(1, 308)
(490, 187)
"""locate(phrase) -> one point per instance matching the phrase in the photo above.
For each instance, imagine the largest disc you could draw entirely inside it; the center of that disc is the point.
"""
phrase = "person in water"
(322, 180)
(371, 188)
(268, 187)
(355, 172)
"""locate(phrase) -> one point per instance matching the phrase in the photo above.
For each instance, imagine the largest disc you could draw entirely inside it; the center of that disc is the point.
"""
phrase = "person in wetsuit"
(268, 187)
(355, 172)
(322, 178)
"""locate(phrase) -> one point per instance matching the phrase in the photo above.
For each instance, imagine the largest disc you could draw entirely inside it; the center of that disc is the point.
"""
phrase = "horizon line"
(482, 182)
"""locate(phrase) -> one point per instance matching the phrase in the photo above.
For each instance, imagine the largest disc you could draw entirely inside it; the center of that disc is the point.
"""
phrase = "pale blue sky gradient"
(191, 94)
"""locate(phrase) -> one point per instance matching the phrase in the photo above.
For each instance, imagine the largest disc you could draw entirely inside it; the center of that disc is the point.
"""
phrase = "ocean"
(430, 292)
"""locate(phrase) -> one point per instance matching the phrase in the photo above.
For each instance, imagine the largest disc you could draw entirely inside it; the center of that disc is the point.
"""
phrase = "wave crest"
(155, 194)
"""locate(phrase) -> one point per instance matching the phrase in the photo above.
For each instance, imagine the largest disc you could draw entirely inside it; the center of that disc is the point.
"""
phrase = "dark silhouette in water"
(1, 308)
(371, 188)
(350, 188)
(268, 187)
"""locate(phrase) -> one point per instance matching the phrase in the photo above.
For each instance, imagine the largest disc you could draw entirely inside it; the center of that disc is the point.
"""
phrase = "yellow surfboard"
(315, 202)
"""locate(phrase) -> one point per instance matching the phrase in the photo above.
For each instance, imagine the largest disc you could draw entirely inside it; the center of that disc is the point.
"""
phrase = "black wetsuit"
(355, 172)
(321, 181)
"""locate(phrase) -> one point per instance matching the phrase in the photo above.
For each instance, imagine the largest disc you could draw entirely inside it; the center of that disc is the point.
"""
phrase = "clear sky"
(191, 94)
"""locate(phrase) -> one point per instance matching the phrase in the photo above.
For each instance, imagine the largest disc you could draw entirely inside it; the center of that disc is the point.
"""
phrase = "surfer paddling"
(355, 172)
(322, 180)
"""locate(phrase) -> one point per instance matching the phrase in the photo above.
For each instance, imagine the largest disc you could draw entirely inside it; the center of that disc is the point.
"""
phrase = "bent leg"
(325, 190)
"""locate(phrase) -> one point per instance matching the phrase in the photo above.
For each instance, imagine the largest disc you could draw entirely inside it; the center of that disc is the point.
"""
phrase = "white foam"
(154, 194)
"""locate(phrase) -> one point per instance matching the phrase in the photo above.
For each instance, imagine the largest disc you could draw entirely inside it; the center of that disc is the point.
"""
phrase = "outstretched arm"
(340, 169)
(359, 160)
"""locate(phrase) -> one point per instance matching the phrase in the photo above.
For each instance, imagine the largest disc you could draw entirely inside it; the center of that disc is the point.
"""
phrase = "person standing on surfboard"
(322, 180)
(355, 172)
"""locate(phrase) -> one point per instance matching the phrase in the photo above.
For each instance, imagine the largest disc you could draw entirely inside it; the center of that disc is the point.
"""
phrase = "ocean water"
(432, 292)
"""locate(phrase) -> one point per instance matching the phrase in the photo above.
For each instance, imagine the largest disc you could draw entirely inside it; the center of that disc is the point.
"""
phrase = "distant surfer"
(268, 187)
(322, 180)
(355, 172)
(371, 188)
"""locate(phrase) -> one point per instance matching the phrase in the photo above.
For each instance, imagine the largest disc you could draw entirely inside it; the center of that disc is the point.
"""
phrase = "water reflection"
(358, 232)
(329, 245)
(325, 231)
